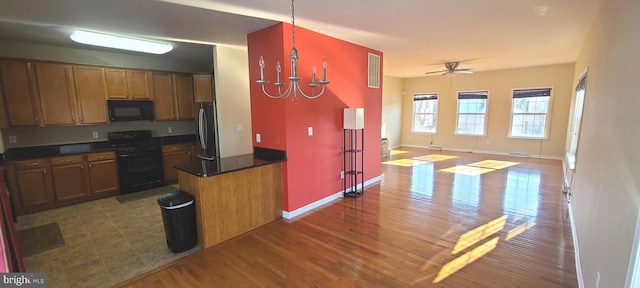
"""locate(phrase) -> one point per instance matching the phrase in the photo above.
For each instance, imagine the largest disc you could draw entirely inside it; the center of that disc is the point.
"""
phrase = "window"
(472, 112)
(530, 113)
(425, 112)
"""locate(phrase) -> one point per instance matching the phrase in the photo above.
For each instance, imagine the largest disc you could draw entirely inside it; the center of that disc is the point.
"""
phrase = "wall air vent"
(374, 71)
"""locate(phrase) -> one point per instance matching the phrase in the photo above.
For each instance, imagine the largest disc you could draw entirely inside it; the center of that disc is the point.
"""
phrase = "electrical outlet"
(13, 140)
(598, 279)
(170, 129)
(258, 138)
(341, 174)
(310, 131)
(239, 127)
(94, 134)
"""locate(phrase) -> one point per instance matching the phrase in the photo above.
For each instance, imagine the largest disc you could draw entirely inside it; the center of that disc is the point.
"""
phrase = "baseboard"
(576, 248)
(488, 152)
(325, 200)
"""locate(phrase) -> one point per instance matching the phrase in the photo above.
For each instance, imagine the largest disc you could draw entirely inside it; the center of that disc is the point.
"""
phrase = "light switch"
(310, 131)
(13, 140)
(94, 134)
(239, 127)
(170, 129)
(258, 138)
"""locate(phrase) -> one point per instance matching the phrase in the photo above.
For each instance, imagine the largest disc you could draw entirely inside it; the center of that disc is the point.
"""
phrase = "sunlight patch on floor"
(404, 162)
(521, 228)
(465, 259)
(493, 164)
(467, 170)
(478, 234)
(396, 152)
(434, 157)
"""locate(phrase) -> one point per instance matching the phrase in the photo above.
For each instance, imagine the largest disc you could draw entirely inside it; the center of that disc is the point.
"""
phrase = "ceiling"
(415, 36)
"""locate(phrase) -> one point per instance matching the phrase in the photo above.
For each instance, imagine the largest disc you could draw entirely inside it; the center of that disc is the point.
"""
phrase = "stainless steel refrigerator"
(207, 142)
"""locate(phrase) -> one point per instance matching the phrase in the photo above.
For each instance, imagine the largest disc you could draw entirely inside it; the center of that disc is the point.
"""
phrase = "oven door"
(140, 171)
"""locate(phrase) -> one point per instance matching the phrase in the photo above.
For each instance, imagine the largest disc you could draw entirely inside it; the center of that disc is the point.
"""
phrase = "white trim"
(309, 207)
(551, 157)
(575, 248)
(547, 124)
(413, 113)
(486, 113)
(633, 272)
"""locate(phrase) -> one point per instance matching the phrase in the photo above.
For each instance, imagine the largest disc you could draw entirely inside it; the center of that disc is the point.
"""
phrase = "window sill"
(571, 160)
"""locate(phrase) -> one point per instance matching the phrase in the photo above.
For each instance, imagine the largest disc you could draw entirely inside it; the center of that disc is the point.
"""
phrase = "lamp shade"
(353, 118)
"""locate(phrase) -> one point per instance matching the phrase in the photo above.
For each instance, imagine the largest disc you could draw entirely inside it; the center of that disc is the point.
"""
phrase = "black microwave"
(130, 110)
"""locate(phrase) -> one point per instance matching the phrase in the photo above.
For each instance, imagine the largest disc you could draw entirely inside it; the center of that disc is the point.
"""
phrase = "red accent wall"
(312, 171)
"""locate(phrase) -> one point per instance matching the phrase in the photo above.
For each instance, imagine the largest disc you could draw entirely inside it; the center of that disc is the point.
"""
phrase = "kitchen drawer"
(66, 160)
(30, 164)
(101, 156)
(176, 147)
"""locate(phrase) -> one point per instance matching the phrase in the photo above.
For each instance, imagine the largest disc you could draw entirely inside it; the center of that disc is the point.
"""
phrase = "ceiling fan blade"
(435, 72)
(464, 71)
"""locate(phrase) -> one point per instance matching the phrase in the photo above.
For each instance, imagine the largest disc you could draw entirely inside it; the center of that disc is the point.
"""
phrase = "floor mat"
(145, 194)
(39, 239)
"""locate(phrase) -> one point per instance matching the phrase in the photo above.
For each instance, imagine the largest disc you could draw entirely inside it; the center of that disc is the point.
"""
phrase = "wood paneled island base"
(232, 203)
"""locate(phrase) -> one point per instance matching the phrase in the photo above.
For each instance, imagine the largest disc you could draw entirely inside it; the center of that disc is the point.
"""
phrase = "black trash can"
(179, 217)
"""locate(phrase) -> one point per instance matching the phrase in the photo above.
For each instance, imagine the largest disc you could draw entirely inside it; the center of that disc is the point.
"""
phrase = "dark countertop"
(206, 168)
(25, 153)
(260, 157)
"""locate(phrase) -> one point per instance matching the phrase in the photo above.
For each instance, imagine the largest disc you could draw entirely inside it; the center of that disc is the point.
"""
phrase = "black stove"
(139, 160)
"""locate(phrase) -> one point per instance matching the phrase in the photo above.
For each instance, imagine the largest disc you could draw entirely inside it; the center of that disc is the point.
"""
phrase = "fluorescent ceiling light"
(119, 42)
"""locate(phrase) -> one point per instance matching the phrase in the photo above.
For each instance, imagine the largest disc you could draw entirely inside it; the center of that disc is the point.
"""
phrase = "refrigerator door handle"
(202, 127)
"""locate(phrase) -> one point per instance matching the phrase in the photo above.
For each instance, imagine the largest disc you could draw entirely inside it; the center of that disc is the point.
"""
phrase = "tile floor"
(105, 242)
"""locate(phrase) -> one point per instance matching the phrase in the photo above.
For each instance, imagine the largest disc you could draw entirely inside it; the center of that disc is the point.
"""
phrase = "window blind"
(532, 93)
(420, 97)
(473, 95)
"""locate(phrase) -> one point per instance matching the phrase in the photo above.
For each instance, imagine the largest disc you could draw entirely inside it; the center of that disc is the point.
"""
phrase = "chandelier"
(293, 85)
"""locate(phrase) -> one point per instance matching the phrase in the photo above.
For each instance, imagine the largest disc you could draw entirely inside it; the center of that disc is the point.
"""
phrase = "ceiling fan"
(452, 70)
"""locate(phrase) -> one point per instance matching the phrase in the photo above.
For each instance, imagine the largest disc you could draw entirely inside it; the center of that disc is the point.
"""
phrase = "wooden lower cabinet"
(173, 155)
(103, 173)
(32, 181)
(69, 180)
(47, 183)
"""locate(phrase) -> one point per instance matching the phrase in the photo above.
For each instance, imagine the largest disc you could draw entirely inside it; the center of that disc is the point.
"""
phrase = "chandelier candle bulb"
(261, 62)
(313, 75)
(324, 69)
(279, 70)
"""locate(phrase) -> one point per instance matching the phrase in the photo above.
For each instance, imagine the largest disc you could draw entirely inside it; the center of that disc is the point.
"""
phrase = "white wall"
(231, 69)
(500, 85)
(607, 177)
(392, 110)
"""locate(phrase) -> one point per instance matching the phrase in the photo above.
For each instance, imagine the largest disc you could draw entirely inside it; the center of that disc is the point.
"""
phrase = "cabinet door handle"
(81, 166)
(89, 165)
(100, 157)
(66, 160)
(174, 148)
(34, 164)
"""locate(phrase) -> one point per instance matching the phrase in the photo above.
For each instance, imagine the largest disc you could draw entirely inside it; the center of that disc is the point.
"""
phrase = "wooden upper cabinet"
(91, 93)
(139, 84)
(128, 84)
(57, 94)
(163, 99)
(116, 83)
(183, 86)
(203, 87)
(20, 93)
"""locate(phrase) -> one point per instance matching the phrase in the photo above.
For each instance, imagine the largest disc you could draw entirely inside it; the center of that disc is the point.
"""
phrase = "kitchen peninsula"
(234, 194)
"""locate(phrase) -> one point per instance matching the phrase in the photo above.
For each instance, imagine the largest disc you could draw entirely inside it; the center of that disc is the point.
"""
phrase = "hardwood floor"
(420, 226)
